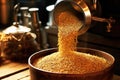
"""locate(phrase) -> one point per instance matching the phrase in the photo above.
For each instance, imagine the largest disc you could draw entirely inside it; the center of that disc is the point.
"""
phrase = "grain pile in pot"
(67, 60)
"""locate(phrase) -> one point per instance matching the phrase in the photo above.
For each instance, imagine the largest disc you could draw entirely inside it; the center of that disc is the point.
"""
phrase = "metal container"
(18, 43)
(77, 6)
(39, 74)
(88, 10)
(6, 12)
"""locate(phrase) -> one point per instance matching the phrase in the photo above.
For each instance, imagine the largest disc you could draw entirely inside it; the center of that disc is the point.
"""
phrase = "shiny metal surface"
(6, 12)
(88, 10)
(78, 7)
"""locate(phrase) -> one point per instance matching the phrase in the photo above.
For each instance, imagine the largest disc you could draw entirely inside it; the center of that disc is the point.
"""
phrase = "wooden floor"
(10, 70)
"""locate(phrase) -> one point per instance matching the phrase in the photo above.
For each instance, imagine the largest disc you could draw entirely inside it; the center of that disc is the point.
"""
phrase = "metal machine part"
(37, 29)
(85, 8)
(36, 24)
(79, 7)
(25, 16)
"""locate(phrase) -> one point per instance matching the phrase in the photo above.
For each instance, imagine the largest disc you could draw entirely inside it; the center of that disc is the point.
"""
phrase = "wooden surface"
(19, 71)
(10, 70)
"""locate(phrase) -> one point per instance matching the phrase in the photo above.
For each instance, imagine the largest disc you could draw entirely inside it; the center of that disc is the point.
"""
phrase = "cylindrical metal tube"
(6, 12)
(35, 24)
(24, 16)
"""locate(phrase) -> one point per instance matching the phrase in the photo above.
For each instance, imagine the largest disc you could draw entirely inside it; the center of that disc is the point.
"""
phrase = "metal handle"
(16, 9)
(109, 21)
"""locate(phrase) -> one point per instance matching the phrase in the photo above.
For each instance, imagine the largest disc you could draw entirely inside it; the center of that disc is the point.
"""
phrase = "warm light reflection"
(4, 13)
(14, 29)
(3, 1)
(50, 8)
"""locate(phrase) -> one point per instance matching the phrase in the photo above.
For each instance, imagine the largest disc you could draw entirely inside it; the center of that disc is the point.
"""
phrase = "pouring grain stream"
(68, 31)
(67, 60)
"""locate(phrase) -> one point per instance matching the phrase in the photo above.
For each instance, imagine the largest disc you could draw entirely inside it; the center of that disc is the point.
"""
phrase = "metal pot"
(39, 74)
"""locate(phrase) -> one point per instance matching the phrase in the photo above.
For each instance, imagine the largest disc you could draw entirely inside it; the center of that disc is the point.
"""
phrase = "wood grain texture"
(8, 68)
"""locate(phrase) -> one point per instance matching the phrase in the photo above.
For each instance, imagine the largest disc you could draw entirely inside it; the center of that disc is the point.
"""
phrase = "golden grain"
(67, 60)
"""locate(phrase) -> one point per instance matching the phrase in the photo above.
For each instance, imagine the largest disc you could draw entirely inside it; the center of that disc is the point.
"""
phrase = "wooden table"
(10, 70)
